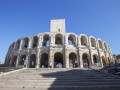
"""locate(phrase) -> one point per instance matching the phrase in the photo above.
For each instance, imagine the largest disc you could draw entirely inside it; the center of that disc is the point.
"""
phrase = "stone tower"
(57, 25)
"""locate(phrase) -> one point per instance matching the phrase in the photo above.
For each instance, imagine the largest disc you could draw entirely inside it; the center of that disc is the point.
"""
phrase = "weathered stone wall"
(59, 42)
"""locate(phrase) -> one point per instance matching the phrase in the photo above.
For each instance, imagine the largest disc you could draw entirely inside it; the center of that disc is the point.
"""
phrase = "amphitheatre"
(58, 60)
(48, 49)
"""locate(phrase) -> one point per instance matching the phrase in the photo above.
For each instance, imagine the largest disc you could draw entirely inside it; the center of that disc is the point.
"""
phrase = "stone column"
(51, 59)
(40, 42)
(30, 43)
(18, 59)
(38, 56)
(27, 60)
(81, 61)
(21, 44)
(101, 62)
(78, 61)
(14, 48)
(66, 40)
(52, 41)
(91, 58)
(66, 60)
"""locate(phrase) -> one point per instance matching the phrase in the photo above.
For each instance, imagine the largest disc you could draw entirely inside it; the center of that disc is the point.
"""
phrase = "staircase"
(59, 79)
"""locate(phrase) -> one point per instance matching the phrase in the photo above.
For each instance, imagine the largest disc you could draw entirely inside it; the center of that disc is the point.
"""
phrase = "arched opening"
(100, 44)
(18, 44)
(26, 43)
(14, 61)
(85, 58)
(83, 41)
(104, 61)
(35, 42)
(73, 62)
(108, 60)
(96, 60)
(44, 60)
(13, 45)
(72, 40)
(105, 45)
(46, 40)
(58, 60)
(109, 48)
(22, 59)
(93, 42)
(9, 62)
(58, 39)
(32, 61)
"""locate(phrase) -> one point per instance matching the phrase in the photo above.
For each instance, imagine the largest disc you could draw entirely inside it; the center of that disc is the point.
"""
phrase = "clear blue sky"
(20, 18)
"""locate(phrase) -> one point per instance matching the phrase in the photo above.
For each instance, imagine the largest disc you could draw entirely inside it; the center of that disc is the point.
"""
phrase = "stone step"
(27, 78)
(34, 83)
(108, 87)
(59, 80)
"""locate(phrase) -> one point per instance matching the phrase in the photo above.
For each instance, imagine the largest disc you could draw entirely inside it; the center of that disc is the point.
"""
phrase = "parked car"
(114, 70)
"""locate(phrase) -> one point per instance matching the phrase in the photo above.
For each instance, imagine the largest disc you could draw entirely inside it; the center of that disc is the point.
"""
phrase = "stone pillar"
(66, 60)
(101, 62)
(66, 40)
(51, 59)
(91, 58)
(40, 42)
(17, 63)
(52, 41)
(30, 43)
(27, 60)
(81, 61)
(15, 44)
(38, 56)
(21, 44)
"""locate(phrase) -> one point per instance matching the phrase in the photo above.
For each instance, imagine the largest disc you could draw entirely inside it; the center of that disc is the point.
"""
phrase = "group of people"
(27, 64)
(73, 64)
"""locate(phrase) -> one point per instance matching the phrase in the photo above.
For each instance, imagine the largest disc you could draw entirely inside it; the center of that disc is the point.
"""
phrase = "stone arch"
(18, 44)
(72, 39)
(96, 60)
(105, 45)
(58, 59)
(44, 60)
(100, 44)
(86, 62)
(26, 43)
(22, 59)
(32, 61)
(73, 62)
(83, 40)
(59, 39)
(46, 40)
(104, 61)
(14, 61)
(8, 62)
(13, 45)
(93, 42)
(35, 42)
(109, 49)
(108, 60)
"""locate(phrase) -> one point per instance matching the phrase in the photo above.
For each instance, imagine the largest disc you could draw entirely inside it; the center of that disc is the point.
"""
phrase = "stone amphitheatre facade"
(48, 49)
